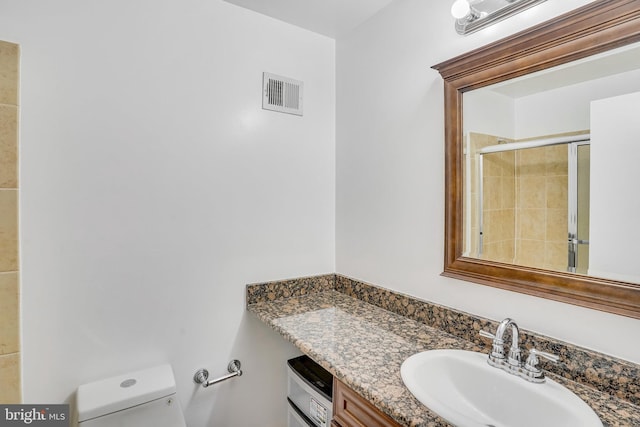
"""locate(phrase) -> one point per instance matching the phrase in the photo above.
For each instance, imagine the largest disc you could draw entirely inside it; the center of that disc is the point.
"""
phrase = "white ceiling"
(331, 18)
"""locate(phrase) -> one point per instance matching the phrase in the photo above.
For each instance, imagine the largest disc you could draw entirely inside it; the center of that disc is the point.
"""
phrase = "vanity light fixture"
(473, 15)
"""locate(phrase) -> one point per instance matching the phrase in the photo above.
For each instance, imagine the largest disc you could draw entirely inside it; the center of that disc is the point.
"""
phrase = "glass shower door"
(579, 181)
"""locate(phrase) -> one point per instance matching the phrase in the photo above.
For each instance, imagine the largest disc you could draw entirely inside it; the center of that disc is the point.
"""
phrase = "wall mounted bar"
(201, 376)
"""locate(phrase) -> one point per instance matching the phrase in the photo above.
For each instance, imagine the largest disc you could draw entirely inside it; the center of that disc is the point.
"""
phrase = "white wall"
(390, 177)
(489, 112)
(154, 187)
(549, 112)
(567, 109)
(614, 235)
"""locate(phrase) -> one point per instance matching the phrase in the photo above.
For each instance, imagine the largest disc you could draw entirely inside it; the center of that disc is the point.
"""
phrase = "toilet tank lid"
(124, 391)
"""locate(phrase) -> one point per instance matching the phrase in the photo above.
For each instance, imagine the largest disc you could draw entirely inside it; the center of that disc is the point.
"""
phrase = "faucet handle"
(531, 365)
(487, 334)
(533, 356)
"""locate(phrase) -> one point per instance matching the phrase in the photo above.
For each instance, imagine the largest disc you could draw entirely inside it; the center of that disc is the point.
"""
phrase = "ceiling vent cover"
(281, 94)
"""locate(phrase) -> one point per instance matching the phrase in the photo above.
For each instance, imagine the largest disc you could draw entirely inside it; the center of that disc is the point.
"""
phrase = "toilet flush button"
(128, 383)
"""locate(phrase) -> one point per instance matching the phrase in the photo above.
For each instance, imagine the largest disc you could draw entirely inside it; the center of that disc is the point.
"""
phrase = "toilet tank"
(144, 398)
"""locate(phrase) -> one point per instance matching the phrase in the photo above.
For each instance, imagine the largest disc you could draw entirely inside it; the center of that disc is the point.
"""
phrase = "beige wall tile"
(556, 256)
(479, 140)
(509, 250)
(9, 303)
(509, 162)
(9, 65)
(508, 192)
(490, 233)
(498, 230)
(492, 165)
(489, 251)
(557, 226)
(500, 254)
(557, 162)
(531, 162)
(531, 192)
(531, 224)
(488, 224)
(530, 253)
(8, 230)
(506, 224)
(8, 146)
(10, 391)
(492, 193)
(557, 192)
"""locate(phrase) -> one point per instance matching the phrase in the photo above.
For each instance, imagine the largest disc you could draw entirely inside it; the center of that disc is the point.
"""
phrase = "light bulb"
(460, 9)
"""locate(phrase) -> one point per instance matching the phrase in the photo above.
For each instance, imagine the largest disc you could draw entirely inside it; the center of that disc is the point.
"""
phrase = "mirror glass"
(551, 165)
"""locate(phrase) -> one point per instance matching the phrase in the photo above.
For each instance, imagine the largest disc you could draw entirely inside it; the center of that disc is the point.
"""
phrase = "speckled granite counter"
(364, 345)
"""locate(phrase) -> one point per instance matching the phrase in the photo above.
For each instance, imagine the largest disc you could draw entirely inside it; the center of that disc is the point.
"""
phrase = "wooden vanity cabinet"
(351, 410)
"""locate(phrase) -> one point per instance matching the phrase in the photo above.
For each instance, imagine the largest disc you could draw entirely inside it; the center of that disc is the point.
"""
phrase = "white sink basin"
(462, 388)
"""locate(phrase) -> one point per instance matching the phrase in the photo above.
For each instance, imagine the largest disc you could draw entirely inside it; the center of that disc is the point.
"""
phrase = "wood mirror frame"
(591, 29)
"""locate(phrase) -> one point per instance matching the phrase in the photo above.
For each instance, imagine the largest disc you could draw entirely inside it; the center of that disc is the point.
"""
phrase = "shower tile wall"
(525, 205)
(10, 390)
(498, 201)
(542, 206)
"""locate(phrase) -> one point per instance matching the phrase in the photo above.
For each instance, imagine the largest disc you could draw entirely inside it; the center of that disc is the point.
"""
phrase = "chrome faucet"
(497, 351)
(513, 364)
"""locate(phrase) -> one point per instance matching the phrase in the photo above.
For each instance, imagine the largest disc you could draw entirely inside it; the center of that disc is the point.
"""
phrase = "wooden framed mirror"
(593, 29)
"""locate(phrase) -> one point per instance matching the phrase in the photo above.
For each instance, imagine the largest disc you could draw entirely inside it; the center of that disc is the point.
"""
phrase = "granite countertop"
(364, 346)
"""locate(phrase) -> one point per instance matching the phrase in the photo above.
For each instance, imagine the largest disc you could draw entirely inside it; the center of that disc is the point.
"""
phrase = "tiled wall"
(525, 204)
(499, 190)
(10, 391)
(542, 206)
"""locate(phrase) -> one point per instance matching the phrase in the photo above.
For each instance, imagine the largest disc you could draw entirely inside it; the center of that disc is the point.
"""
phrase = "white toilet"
(145, 398)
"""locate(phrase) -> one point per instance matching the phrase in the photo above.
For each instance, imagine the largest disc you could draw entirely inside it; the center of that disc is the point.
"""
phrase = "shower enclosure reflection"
(534, 195)
(529, 201)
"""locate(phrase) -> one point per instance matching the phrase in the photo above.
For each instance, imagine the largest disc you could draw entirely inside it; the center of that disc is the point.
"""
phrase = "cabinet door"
(351, 410)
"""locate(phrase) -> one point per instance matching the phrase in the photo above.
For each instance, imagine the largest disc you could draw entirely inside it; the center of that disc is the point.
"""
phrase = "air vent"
(281, 94)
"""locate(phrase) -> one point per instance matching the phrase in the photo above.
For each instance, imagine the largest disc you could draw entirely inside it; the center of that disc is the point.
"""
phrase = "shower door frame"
(572, 218)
